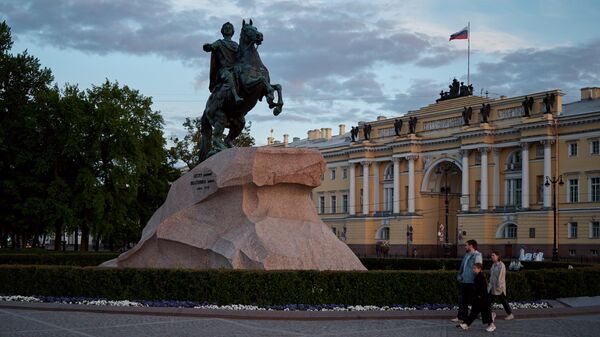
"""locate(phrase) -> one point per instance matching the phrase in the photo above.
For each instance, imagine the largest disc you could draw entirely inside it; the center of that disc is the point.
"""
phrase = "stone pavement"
(579, 318)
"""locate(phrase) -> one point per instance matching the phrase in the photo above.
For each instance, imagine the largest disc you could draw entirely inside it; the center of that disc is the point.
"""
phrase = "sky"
(339, 62)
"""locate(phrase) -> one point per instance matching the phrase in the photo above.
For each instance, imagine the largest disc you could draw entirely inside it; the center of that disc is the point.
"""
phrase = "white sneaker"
(509, 317)
(464, 326)
(493, 316)
(456, 320)
(490, 327)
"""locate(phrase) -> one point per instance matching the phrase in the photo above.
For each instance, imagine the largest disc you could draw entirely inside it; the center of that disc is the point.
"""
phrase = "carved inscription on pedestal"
(203, 183)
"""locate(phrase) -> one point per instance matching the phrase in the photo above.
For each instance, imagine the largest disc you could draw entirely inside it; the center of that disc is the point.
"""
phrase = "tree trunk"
(13, 241)
(97, 242)
(57, 237)
(75, 244)
(85, 238)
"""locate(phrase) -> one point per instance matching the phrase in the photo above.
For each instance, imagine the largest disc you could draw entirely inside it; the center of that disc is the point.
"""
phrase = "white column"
(465, 181)
(525, 175)
(547, 172)
(365, 207)
(396, 185)
(411, 183)
(352, 194)
(375, 187)
(496, 178)
(484, 179)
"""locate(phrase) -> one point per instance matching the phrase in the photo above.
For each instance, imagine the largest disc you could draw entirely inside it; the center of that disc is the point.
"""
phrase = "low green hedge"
(81, 259)
(450, 264)
(281, 287)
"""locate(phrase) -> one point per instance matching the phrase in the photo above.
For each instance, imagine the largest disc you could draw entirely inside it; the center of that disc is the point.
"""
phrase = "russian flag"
(462, 34)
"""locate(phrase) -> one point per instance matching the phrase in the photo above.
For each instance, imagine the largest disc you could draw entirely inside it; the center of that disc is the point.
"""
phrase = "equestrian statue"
(238, 80)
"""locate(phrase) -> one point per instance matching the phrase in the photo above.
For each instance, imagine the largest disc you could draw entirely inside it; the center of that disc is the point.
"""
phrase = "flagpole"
(469, 53)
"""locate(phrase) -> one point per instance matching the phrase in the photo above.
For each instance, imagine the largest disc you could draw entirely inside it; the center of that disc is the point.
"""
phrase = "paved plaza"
(33, 323)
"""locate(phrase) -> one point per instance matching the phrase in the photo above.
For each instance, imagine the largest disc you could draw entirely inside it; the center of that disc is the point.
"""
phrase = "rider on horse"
(222, 62)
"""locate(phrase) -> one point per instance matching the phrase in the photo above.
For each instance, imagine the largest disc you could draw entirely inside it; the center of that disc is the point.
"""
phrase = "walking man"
(466, 279)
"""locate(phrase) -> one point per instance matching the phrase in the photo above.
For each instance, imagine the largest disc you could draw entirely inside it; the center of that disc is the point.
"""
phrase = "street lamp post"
(446, 168)
(554, 181)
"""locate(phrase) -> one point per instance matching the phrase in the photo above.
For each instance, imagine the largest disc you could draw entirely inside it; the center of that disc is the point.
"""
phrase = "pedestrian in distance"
(497, 285)
(481, 302)
(466, 279)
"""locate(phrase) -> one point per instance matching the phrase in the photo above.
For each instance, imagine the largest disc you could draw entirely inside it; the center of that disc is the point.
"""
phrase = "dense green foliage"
(187, 149)
(282, 287)
(449, 264)
(91, 160)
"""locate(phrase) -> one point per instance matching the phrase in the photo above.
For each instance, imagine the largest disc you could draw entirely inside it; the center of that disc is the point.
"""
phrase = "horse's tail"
(205, 142)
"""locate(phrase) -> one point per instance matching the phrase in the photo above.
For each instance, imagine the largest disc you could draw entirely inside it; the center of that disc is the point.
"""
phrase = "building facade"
(458, 178)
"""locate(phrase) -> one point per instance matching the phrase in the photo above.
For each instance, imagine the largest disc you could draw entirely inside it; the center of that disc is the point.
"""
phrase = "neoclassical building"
(491, 178)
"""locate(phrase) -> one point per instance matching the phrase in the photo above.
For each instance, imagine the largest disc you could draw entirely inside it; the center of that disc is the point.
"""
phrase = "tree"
(188, 149)
(25, 96)
(70, 159)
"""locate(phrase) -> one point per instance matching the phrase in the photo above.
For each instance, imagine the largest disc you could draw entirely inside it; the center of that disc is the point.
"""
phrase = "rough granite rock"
(243, 208)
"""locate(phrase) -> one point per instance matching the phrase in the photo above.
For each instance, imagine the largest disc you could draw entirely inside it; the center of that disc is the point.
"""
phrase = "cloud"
(531, 70)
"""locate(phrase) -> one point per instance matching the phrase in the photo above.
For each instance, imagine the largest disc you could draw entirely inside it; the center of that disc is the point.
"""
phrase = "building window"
(333, 174)
(384, 234)
(334, 230)
(477, 158)
(595, 147)
(539, 151)
(511, 231)
(572, 230)
(513, 163)
(333, 204)
(513, 192)
(572, 252)
(595, 230)
(594, 252)
(532, 233)
(389, 173)
(572, 149)
(321, 204)
(344, 173)
(595, 189)
(344, 233)
(573, 195)
(388, 199)
(345, 203)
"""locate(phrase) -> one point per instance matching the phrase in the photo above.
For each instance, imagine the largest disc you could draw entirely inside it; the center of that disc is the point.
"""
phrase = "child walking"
(481, 302)
(497, 285)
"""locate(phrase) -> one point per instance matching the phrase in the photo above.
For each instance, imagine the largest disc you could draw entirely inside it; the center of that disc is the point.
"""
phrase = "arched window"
(510, 231)
(383, 233)
(507, 231)
(513, 162)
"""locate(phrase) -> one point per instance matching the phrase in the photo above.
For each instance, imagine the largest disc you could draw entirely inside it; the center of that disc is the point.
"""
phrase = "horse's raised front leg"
(279, 105)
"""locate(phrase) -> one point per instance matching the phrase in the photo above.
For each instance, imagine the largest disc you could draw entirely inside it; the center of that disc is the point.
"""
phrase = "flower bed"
(287, 307)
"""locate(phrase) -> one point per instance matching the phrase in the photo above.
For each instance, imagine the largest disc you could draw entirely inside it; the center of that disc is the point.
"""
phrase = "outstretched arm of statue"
(208, 47)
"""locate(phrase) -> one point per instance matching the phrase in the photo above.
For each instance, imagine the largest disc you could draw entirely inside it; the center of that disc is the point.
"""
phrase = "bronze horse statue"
(252, 83)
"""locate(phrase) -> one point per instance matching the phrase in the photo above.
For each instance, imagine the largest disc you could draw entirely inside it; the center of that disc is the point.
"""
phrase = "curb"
(287, 315)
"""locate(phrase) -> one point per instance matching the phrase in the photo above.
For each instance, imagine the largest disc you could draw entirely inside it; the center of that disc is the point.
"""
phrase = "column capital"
(412, 157)
(547, 141)
(524, 145)
(496, 151)
(484, 149)
(396, 159)
(463, 152)
(365, 162)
